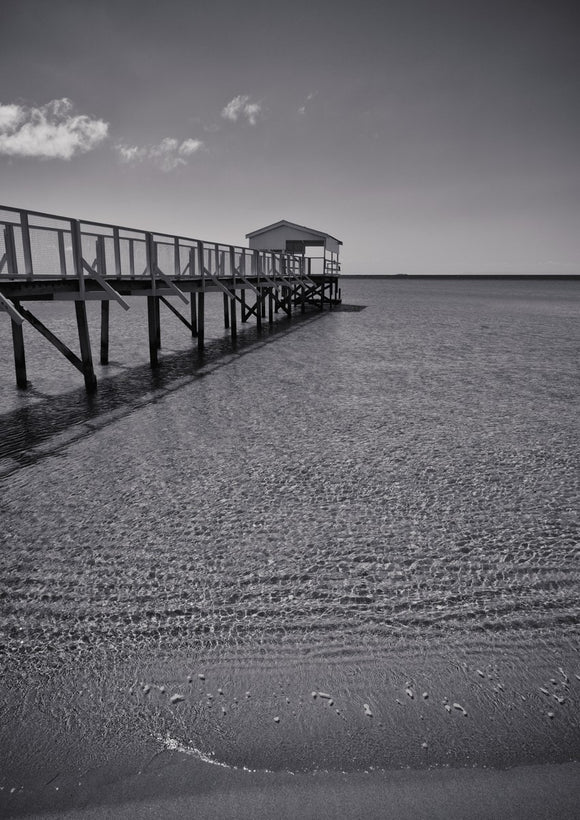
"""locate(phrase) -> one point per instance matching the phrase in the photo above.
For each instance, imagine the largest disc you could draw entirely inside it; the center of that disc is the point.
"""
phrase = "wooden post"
(117, 252)
(105, 304)
(19, 357)
(263, 291)
(85, 345)
(270, 306)
(151, 322)
(158, 322)
(11, 258)
(200, 320)
(226, 311)
(152, 303)
(193, 309)
(26, 247)
(77, 253)
(234, 318)
(61, 253)
(201, 298)
(243, 303)
(259, 310)
(255, 268)
(193, 294)
(176, 259)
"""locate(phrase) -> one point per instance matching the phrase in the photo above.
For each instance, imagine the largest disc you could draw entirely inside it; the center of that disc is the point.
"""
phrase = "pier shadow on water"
(33, 432)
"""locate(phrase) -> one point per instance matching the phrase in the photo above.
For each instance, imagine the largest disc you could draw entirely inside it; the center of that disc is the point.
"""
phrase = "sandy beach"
(255, 740)
(357, 599)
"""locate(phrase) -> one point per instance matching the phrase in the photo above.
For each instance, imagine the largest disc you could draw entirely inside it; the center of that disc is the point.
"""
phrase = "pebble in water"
(201, 676)
(424, 745)
(367, 709)
(220, 691)
(459, 708)
(276, 719)
(325, 695)
(425, 695)
(176, 698)
(480, 673)
(410, 693)
(146, 689)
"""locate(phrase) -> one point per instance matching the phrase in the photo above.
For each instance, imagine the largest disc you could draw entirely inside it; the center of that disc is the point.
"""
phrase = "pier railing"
(45, 257)
(35, 246)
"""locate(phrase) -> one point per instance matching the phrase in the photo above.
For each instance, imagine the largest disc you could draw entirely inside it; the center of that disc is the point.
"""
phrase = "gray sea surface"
(349, 543)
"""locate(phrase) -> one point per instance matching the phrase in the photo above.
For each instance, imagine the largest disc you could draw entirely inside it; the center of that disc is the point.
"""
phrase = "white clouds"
(167, 155)
(10, 116)
(241, 107)
(189, 147)
(50, 131)
(310, 96)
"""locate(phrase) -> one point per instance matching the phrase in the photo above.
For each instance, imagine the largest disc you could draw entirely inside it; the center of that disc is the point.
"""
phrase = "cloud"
(167, 155)
(51, 131)
(241, 106)
(310, 96)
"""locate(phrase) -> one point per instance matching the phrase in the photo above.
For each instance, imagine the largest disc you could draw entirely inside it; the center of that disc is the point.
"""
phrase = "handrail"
(123, 253)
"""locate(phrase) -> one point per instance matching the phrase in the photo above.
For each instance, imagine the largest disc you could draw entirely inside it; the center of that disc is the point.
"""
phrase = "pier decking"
(44, 257)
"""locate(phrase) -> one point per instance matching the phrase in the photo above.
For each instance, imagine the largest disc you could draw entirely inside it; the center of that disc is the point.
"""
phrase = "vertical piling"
(105, 331)
(201, 298)
(259, 310)
(233, 316)
(153, 317)
(85, 345)
(193, 310)
(152, 325)
(226, 311)
(19, 356)
(243, 308)
(200, 320)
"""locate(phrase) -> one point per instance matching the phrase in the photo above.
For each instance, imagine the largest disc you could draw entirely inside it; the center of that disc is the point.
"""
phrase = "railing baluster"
(26, 247)
(62, 253)
(117, 252)
(101, 259)
(11, 258)
(176, 258)
(77, 252)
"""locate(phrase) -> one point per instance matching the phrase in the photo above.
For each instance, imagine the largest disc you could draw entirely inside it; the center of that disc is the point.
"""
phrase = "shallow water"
(395, 488)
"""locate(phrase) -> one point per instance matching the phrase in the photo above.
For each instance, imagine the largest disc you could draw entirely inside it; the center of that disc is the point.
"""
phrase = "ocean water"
(376, 504)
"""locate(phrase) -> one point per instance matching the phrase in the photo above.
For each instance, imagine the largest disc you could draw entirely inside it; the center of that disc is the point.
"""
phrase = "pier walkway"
(44, 257)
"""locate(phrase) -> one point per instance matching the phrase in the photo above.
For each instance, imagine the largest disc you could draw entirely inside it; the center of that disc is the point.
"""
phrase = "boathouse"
(288, 237)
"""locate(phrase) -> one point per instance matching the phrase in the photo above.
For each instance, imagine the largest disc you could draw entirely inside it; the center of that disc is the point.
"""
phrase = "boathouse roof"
(292, 226)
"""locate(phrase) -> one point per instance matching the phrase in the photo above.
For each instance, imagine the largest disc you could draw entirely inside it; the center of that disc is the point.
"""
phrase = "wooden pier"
(44, 257)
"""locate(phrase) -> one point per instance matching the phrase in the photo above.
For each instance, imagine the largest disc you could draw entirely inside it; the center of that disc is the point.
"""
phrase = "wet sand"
(401, 735)
(177, 788)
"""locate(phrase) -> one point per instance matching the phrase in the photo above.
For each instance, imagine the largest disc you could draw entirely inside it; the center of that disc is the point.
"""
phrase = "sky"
(429, 136)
